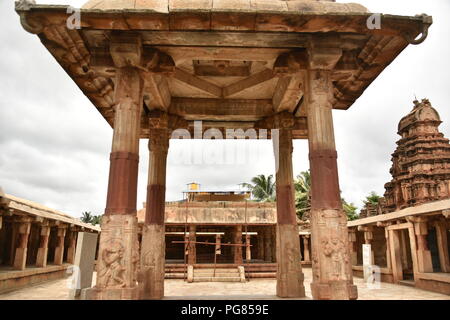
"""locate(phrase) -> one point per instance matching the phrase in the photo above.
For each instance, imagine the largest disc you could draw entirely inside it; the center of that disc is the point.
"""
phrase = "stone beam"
(156, 92)
(288, 93)
(221, 109)
(197, 82)
(248, 83)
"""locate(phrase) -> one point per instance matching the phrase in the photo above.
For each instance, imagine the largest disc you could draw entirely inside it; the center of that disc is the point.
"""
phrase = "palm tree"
(302, 186)
(96, 220)
(86, 217)
(262, 188)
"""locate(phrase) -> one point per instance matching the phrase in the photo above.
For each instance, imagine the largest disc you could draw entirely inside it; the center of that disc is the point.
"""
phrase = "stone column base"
(289, 270)
(151, 276)
(118, 259)
(335, 290)
(109, 294)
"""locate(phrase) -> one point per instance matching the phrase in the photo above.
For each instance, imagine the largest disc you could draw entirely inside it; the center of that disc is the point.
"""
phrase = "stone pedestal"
(118, 259)
(331, 261)
(83, 262)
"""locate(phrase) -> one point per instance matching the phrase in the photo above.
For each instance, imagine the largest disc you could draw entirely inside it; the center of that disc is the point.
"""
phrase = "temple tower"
(421, 163)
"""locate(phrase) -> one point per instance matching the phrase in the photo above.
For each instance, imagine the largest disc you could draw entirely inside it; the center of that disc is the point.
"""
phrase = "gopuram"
(155, 68)
(408, 229)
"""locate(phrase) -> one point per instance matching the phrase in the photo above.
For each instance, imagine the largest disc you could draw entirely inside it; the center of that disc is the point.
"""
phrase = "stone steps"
(220, 275)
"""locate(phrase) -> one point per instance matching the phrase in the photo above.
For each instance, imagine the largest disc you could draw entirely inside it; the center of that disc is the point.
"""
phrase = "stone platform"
(265, 288)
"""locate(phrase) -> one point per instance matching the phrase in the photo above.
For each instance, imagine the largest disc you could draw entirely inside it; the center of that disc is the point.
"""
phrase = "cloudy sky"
(54, 145)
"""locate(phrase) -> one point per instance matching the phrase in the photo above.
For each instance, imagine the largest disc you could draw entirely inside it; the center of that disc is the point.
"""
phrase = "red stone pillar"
(331, 261)
(289, 269)
(119, 245)
(153, 234)
(20, 257)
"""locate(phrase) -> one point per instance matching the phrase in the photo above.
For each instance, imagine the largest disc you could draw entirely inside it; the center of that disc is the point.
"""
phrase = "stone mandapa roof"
(35, 209)
(195, 33)
(274, 6)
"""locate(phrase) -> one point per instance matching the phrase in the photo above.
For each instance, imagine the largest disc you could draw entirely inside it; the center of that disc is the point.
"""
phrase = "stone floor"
(265, 289)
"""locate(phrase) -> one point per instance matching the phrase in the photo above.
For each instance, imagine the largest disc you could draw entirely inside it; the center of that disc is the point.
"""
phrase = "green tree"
(262, 188)
(350, 210)
(86, 217)
(302, 186)
(372, 199)
(96, 220)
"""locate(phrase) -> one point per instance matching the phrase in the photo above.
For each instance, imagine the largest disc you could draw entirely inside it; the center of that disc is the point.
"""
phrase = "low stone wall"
(433, 282)
(16, 279)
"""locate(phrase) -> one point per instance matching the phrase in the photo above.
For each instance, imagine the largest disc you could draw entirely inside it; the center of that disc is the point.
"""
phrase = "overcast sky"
(54, 145)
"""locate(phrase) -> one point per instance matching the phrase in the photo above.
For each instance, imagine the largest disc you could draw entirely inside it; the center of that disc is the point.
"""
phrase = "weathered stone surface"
(84, 262)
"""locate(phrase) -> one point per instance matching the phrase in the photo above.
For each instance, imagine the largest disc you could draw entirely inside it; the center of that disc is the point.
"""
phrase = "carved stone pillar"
(41, 259)
(237, 250)
(192, 254)
(20, 257)
(119, 245)
(424, 261)
(153, 236)
(72, 246)
(59, 250)
(289, 269)
(260, 244)
(218, 244)
(331, 262)
(368, 238)
(268, 245)
(353, 246)
(442, 242)
(306, 255)
(248, 251)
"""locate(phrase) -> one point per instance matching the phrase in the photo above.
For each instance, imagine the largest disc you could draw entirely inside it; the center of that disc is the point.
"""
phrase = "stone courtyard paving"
(264, 289)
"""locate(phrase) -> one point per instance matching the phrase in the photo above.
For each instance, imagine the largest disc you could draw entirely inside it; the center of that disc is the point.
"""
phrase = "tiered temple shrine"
(408, 229)
(151, 67)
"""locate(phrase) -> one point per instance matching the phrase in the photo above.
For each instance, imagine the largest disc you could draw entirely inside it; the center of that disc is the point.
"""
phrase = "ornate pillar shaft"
(192, 255)
(119, 245)
(289, 269)
(268, 245)
(260, 244)
(332, 270)
(424, 260)
(20, 257)
(72, 246)
(59, 250)
(153, 234)
(248, 251)
(237, 250)
(442, 242)
(41, 259)
(353, 246)
(306, 255)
